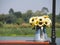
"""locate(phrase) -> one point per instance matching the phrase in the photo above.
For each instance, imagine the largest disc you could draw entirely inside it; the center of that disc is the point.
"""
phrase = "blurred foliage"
(16, 30)
(1, 24)
(11, 11)
(19, 17)
(44, 10)
(18, 14)
(22, 30)
(17, 23)
(27, 15)
(37, 13)
(57, 25)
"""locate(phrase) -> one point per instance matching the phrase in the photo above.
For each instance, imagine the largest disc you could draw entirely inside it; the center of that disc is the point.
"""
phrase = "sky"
(24, 5)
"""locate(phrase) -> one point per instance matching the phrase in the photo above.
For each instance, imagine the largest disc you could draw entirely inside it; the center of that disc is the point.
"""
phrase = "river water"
(24, 38)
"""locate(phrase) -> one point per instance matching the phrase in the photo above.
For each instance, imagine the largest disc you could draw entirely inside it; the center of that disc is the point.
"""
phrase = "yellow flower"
(41, 21)
(47, 22)
(31, 21)
(45, 16)
(36, 21)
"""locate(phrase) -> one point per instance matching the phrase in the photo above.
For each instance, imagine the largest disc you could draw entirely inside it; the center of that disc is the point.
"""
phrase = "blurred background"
(15, 14)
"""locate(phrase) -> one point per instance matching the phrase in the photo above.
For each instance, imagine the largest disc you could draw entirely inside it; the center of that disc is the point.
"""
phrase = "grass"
(16, 31)
(23, 31)
(57, 32)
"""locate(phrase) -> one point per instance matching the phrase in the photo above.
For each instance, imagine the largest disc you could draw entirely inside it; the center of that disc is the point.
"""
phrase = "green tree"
(44, 10)
(19, 21)
(18, 14)
(58, 18)
(37, 13)
(11, 11)
(1, 24)
(24, 16)
(10, 19)
(27, 15)
(2, 18)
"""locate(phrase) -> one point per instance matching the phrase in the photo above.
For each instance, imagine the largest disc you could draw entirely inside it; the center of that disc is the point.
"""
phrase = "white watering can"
(40, 34)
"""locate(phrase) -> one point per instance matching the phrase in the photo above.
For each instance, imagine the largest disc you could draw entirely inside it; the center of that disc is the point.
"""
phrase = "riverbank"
(24, 31)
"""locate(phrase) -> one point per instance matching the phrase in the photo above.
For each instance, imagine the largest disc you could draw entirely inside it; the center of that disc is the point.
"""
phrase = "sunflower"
(45, 16)
(31, 21)
(41, 21)
(47, 22)
(36, 21)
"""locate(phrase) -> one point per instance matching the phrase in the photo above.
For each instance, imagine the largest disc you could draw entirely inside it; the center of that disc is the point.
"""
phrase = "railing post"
(53, 32)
